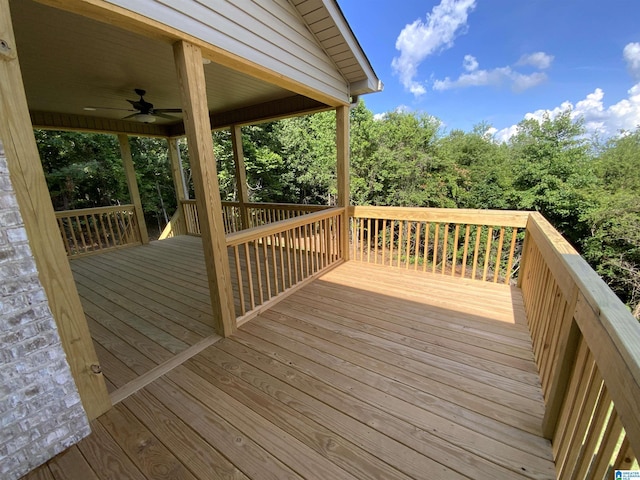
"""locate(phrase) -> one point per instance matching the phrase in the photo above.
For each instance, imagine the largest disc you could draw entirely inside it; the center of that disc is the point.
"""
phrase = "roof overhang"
(327, 22)
(80, 53)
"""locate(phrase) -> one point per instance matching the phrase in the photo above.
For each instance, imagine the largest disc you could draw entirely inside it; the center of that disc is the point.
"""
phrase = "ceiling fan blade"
(109, 108)
(163, 115)
(167, 110)
(131, 116)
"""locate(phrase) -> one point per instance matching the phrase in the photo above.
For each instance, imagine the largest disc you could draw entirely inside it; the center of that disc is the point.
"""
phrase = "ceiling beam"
(269, 111)
(86, 123)
(264, 112)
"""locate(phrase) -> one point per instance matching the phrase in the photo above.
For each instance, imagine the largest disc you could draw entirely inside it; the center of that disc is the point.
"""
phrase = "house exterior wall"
(269, 34)
(40, 409)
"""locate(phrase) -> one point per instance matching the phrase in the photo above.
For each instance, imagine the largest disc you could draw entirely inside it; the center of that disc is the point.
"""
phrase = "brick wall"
(40, 410)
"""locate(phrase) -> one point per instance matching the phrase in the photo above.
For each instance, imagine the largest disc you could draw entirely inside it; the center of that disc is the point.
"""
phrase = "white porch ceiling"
(70, 62)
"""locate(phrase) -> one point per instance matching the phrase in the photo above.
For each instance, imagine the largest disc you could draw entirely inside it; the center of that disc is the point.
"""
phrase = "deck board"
(367, 372)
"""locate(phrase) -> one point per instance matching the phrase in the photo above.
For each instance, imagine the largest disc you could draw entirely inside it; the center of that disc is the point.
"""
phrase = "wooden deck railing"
(265, 213)
(270, 260)
(175, 227)
(92, 230)
(587, 347)
(477, 244)
(257, 214)
(190, 214)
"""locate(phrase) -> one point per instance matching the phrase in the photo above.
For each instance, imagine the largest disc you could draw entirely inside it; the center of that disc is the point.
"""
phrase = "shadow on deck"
(367, 372)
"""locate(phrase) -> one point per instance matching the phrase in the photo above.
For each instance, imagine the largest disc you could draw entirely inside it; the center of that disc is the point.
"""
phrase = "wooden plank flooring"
(368, 372)
(144, 305)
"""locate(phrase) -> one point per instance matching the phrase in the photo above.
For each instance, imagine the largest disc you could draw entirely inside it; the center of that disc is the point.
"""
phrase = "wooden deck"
(368, 372)
(144, 305)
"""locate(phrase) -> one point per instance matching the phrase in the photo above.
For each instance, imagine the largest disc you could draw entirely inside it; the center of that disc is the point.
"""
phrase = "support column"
(241, 174)
(41, 227)
(178, 179)
(132, 185)
(190, 70)
(342, 173)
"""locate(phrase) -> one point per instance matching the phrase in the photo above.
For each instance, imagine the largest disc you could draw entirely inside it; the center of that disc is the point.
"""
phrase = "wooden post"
(241, 175)
(45, 241)
(178, 178)
(132, 185)
(342, 173)
(188, 60)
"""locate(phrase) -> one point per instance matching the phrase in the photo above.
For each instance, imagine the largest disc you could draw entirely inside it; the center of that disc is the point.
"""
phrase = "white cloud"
(631, 54)
(418, 40)
(496, 77)
(505, 134)
(399, 109)
(539, 60)
(470, 63)
(605, 121)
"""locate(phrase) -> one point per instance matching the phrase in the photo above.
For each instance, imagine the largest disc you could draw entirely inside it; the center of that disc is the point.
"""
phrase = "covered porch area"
(368, 371)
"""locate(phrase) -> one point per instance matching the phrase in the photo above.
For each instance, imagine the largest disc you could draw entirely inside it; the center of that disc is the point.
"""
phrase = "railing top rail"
(618, 356)
(255, 233)
(94, 210)
(504, 218)
(282, 206)
(190, 201)
(287, 206)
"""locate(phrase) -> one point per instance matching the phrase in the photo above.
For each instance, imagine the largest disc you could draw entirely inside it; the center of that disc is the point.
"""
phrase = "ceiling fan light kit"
(144, 118)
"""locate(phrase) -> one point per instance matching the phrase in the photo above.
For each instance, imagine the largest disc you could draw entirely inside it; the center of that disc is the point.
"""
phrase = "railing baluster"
(294, 246)
(416, 249)
(375, 240)
(487, 254)
(282, 262)
(445, 246)
(247, 259)
(274, 264)
(384, 240)
(73, 235)
(425, 250)
(496, 272)
(408, 251)
(602, 462)
(455, 250)
(514, 238)
(476, 250)
(436, 239)
(361, 239)
(392, 240)
(267, 272)
(465, 252)
(400, 236)
(239, 278)
(256, 252)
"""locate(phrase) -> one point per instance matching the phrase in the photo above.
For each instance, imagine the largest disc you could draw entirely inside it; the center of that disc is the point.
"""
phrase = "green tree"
(409, 171)
(81, 170)
(613, 244)
(309, 152)
(484, 168)
(553, 172)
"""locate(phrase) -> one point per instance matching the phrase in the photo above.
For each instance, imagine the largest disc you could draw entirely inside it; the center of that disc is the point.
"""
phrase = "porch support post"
(190, 70)
(34, 202)
(342, 174)
(178, 178)
(241, 174)
(132, 185)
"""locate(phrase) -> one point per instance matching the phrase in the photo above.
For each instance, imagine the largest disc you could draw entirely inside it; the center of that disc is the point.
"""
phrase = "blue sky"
(499, 61)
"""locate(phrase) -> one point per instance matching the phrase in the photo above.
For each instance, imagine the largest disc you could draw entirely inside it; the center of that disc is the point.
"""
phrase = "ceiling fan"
(143, 111)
